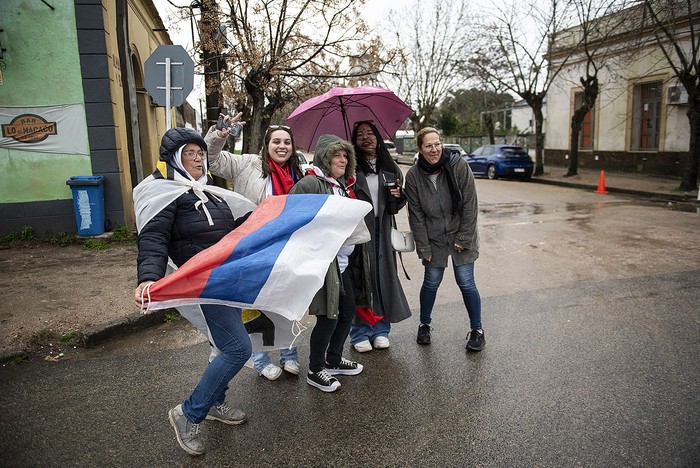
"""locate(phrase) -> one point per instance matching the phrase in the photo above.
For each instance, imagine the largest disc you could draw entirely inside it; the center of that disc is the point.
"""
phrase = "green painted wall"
(41, 67)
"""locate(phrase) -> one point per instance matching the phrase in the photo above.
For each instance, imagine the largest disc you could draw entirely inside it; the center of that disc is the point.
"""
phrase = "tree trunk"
(488, 121)
(576, 124)
(690, 175)
(539, 138)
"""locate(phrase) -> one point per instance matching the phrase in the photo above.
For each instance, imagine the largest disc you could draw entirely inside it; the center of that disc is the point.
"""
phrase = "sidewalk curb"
(638, 193)
(99, 334)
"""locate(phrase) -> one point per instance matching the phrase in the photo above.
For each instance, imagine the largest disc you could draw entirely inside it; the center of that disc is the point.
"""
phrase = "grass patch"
(68, 337)
(42, 337)
(61, 239)
(122, 233)
(172, 316)
(95, 244)
(27, 233)
(19, 359)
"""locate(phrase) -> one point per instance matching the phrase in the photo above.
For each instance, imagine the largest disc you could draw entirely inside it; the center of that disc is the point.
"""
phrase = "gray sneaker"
(225, 414)
(187, 433)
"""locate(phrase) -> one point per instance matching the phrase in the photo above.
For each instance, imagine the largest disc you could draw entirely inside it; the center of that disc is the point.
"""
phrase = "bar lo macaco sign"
(29, 128)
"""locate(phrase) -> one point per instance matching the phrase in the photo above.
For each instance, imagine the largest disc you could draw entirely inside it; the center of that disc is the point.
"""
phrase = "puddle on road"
(505, 210)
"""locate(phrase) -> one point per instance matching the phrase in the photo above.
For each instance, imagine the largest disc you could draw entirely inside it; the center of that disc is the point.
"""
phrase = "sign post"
(169, 77)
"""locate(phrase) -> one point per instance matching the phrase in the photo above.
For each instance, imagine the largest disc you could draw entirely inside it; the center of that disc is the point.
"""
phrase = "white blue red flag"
(275, 262)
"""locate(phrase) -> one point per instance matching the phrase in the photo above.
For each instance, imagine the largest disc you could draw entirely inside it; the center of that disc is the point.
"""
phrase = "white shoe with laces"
(381, 342)
(292, 367)
(271, 372)
(363, 346)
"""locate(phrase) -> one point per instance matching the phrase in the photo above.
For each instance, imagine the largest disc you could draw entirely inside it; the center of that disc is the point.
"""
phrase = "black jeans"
(329, 335)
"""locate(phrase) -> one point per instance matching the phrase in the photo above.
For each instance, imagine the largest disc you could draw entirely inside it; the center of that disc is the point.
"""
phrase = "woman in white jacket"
(257, 176)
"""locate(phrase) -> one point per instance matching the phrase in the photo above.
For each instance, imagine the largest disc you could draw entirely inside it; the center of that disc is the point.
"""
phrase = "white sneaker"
(271, 372)
(292, 367)
(381, 342)
(363, 346)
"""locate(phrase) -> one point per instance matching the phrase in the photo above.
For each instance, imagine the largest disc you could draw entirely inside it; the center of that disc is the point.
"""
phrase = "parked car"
(454, 148)
(495, 161)
(392, 149)
(304, 162)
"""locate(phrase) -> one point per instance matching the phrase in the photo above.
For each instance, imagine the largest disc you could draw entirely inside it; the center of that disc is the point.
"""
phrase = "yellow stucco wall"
(143, 40)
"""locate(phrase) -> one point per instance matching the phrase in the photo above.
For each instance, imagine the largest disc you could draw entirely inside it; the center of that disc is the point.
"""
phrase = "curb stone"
(98, 334)
(638, 193)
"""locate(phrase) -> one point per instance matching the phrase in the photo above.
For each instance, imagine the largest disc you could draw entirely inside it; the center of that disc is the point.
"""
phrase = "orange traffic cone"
(601, 183)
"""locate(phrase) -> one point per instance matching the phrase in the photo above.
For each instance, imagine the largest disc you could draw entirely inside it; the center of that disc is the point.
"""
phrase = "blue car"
(495, 161)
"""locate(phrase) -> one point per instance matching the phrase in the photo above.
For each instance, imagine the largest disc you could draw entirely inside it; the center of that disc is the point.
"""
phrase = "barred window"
(646, 116)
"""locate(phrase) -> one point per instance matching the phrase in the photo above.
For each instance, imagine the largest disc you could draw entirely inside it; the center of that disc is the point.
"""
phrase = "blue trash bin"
(88, 204)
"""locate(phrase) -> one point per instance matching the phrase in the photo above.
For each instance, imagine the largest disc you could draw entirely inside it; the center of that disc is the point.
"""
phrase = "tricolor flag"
(275, 262)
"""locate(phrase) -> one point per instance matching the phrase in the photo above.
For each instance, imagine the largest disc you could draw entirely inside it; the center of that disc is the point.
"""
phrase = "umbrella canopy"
(336, 111)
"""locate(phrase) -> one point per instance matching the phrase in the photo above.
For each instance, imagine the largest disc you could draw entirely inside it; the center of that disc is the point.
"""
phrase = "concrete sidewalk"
(641, 185)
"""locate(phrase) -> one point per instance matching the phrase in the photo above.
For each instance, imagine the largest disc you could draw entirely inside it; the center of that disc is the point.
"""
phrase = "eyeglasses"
(192, 155)
(430, 146)
(278, 127)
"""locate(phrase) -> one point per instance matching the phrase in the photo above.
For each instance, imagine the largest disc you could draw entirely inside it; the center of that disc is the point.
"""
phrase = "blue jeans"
(365, 331)
(230, 336)
(464, 274)
(261, 359)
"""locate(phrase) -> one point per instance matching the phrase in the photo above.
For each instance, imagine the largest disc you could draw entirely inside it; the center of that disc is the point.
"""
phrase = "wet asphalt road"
(604, 374)
(597, 368)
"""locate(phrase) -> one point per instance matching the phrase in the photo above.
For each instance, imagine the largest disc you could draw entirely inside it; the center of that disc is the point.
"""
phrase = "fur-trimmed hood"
(326, 146)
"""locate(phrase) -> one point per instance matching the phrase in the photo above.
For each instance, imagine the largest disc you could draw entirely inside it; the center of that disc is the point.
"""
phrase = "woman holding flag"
(334, 304)
(178, 215)
(256, 177)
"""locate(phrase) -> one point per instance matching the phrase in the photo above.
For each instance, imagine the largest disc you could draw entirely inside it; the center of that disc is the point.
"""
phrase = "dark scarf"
(282, 180)
(443, 163)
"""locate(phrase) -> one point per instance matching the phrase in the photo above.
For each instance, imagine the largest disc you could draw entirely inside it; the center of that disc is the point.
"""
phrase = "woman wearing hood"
(334, 304)
(178, 215)
(442, 213)
(257, 176)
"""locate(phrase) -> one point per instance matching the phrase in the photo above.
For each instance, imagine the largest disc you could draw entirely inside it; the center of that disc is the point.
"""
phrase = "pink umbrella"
(337, 110)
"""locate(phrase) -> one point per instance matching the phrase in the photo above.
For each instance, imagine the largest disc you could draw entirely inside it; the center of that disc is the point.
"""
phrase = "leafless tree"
(676, 28)
(431, 38)
(517, 58)
(273, 54)
(599, 22)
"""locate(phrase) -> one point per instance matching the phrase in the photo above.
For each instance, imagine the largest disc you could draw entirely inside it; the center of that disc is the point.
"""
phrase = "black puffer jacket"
(180, 231)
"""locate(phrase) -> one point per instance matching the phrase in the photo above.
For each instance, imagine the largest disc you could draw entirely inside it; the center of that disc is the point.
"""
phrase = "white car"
(392, 150)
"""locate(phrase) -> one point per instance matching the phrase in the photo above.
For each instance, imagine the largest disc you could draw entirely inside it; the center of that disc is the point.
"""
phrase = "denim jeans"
(464, 274)
(365, 331)
(329, 335)
(261, 359)
(229, 335)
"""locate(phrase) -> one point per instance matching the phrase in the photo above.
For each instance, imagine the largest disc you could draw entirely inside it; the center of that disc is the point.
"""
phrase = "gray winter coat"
(435, 229)
(325, 302)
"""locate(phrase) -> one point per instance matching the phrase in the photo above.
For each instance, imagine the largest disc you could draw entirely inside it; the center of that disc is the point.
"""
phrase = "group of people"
(361, 295)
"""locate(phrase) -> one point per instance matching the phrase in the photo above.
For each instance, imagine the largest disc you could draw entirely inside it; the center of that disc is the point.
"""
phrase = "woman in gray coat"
(376, 168)
(442, 213)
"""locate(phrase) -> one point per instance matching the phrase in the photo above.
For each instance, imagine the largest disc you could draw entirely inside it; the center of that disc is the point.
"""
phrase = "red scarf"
(282, 180)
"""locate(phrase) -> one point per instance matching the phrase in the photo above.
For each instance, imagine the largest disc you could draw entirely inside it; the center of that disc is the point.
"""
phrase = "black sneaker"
(423, 334)
(345, 367)
(323, 381)
(476, 340)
